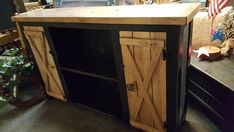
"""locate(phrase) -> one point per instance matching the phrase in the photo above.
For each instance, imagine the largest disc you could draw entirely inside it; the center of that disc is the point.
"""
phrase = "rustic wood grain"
(144, 127)
(20, 32)
(160, 14)
(45, 62)
(145, 66)
(132, 94)
(142, 58)
(159, 78)
(141, 42)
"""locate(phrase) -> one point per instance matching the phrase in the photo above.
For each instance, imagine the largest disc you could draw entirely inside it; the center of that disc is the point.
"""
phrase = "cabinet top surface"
(157, 14)
(220, 70)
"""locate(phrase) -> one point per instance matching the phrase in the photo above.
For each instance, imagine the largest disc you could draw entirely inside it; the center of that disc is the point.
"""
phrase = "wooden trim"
(33, 28)
(21, 36)
(55, 95)
(163, 14)
(143, 127)
(137, 21)
(142, 42)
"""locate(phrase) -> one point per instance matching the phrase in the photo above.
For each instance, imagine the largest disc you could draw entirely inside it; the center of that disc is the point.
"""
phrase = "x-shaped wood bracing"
(39, 56)
(143, 83)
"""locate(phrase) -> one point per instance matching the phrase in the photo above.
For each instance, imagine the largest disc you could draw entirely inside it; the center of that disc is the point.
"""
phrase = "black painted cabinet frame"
(177, 55)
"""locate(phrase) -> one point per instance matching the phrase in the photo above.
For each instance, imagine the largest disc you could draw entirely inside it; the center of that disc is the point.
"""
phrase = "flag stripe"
(215, 7)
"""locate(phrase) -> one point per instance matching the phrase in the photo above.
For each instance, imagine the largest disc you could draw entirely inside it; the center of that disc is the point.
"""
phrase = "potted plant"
(13, 66)
(15, 69)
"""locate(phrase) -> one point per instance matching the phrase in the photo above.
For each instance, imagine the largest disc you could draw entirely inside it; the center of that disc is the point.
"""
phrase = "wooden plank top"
(220, 70)
(157, 14)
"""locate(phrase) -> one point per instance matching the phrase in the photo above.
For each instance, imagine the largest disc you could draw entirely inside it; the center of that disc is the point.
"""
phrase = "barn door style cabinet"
(145, 77)
(42, 53)
(129, 62)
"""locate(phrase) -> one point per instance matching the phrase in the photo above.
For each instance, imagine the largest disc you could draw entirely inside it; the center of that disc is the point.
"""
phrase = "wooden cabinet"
(145, 74)
(156, 87)
(41, 50)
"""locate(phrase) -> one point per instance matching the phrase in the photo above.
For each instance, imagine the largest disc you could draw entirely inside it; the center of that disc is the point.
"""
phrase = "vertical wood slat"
(53, 71)
(45, 62)
(132, 94)
(142, 57)
(160, 82)
(20, 35)
(140, 51)
(160, 79)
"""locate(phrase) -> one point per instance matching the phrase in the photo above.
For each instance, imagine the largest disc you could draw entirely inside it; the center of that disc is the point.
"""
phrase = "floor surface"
(56, 116)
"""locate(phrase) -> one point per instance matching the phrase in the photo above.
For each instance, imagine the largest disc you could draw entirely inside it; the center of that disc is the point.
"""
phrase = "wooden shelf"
(89, 74)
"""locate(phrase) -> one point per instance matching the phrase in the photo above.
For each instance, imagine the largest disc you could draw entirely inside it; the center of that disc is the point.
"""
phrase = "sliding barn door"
(41, 51)
(145, 74)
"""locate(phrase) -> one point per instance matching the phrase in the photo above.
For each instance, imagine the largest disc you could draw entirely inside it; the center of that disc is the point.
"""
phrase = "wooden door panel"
(37, 55)
(53, 71)
(142, 58)
(132, 89)
(145, 74)
(45, 62)
(159, 77)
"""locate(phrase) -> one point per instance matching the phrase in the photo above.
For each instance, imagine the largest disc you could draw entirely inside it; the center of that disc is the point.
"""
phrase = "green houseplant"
(14, 64)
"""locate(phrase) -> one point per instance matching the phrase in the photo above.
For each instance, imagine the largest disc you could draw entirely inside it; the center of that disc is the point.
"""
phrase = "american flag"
(215, 7)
